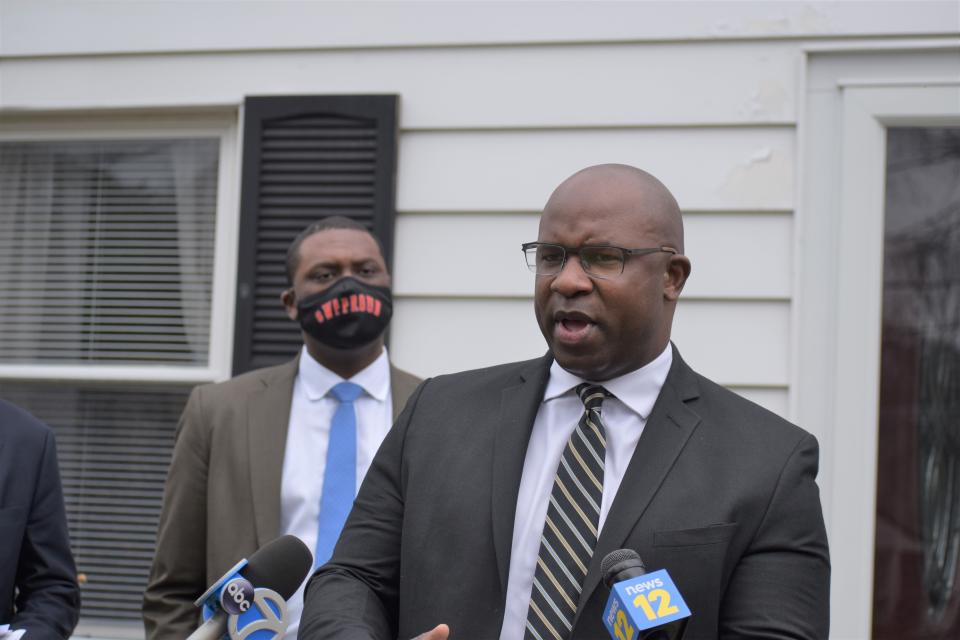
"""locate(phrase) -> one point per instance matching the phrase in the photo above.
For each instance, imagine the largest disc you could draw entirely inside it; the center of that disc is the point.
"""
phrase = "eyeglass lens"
(600, 261)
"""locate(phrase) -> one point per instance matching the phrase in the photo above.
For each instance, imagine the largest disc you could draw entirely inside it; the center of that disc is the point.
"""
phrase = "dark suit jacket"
(720, 492)
(222, 498)
(38, 579)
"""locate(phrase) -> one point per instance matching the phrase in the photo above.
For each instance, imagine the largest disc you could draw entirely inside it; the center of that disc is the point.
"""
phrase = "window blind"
(106, 251)
(113, 445)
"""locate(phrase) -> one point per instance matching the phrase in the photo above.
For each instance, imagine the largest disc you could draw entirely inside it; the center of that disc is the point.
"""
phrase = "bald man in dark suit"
(491, 504)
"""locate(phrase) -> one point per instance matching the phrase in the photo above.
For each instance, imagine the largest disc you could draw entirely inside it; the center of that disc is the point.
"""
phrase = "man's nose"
(572, 279)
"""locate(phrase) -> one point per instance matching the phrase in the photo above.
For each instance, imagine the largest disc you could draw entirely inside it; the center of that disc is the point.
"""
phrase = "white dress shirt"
(624, 417)
(308, 432)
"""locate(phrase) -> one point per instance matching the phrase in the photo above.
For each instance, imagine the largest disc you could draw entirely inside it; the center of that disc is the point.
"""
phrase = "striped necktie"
(571, 528)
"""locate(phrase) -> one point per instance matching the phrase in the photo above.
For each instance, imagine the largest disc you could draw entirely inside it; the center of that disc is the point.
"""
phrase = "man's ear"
(678, 270)
(289, 300)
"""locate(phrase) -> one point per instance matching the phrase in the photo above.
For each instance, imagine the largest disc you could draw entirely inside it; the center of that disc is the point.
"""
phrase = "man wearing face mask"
(282, 450)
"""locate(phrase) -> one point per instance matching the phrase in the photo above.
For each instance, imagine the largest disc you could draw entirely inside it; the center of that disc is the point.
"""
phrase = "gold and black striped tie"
(571, 528)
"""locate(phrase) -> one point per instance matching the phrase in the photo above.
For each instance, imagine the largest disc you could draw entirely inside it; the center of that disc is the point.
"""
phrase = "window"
(113, 446)
(123, 263)
(106, 250)
(116, 251)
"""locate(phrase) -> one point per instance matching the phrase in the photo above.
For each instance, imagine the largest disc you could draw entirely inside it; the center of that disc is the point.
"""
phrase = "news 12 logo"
(641, 603)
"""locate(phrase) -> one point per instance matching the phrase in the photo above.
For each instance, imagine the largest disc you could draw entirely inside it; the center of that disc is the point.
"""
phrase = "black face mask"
(346, 315)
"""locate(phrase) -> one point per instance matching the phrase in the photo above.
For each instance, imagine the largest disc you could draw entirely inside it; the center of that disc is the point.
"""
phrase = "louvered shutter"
(305, 158)
(106, 251)
(114, 445)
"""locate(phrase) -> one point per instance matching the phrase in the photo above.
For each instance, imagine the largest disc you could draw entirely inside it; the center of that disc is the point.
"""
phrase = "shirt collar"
(638, 389)
(317, 380)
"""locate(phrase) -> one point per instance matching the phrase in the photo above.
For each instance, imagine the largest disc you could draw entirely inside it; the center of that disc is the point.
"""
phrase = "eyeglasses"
(599, 261)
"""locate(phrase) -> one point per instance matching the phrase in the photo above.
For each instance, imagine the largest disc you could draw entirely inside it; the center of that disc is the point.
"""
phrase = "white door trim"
(850, 100)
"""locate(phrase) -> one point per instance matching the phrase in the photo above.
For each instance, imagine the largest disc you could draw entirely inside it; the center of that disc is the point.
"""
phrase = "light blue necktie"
(340, 474)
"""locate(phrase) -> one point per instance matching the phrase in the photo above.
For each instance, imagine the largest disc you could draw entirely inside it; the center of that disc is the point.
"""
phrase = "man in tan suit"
(259, 455)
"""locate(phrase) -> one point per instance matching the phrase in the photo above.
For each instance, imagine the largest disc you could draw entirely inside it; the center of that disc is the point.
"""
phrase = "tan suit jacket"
(222, 497)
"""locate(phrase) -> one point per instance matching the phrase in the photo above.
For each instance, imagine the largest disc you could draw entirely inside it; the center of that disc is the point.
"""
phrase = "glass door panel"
(916, 587)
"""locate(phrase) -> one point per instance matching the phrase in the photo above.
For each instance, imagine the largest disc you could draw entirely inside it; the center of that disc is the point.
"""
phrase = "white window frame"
(219, 124)
(853, 94)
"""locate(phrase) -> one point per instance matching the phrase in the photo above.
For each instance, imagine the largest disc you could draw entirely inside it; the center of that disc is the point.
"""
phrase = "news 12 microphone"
(249, 601)
(641, 606)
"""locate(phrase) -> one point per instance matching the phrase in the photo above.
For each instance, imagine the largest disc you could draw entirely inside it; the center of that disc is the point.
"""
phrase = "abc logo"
(236, 596)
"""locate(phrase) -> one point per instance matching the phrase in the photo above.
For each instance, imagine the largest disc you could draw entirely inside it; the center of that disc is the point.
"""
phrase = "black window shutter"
(305, 158)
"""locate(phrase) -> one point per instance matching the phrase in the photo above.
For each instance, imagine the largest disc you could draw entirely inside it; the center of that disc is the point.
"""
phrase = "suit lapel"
(268, 415)
(669, 427)
(518, 409)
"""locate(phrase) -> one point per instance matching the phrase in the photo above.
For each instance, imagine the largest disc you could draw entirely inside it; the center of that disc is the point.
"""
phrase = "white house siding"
(482, 188)
(500, 102)
(84, 26)
(487, 133)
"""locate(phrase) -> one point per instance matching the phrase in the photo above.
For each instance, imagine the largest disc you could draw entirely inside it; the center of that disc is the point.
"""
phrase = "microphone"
(641, 606)
(254, 591)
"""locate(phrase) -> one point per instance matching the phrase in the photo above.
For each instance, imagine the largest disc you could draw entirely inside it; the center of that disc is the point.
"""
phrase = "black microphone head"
(621, 565)
(280, 565)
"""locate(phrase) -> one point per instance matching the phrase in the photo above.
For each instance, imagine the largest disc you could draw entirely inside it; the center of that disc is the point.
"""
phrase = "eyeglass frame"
(576, 252)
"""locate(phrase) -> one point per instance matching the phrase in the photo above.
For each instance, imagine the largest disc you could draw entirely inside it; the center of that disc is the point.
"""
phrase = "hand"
(439, 632)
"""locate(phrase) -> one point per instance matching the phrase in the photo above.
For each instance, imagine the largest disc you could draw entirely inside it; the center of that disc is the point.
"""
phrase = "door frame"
(851, 96)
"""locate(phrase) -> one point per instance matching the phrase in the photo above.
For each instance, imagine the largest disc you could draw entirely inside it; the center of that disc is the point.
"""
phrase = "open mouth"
(572, 328)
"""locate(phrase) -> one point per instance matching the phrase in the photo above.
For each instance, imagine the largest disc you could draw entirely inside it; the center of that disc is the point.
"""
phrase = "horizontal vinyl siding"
(734, 255)
(737, 343)
(28, 27)
(432, 336)
(710, 169)
(471, 87)
(488, 132)
(739, 290)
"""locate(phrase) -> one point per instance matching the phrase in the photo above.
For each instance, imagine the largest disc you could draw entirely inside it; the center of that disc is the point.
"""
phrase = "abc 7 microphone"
(254, 614)
(249, 601)
(641, 606)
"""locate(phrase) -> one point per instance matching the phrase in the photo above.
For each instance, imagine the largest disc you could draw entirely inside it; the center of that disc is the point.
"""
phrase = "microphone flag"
(642, 604)
(266, 619)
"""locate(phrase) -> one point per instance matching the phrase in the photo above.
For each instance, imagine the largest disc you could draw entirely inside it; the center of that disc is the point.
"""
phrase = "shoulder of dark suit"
(20, 427)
